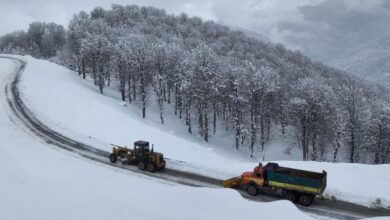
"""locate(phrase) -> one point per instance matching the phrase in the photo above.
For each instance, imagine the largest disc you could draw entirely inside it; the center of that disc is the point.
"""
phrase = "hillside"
(349, 35)
(42, 182)
(370, 61)
(219, 81)
(76, 109)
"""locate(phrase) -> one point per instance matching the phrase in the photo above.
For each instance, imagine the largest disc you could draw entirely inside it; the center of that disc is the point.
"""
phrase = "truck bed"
(294, 179)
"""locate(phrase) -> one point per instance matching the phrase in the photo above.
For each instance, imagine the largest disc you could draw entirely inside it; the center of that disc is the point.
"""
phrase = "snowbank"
(74, 107)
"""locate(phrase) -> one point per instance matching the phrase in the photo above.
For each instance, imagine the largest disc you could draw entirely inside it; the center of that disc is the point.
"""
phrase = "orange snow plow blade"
(232, 183)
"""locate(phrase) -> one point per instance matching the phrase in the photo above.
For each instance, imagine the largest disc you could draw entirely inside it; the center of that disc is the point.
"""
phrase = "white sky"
(264, 16)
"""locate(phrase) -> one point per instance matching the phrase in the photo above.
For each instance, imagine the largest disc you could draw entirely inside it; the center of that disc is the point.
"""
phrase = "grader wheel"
(150, 167)
(141, 165)
(113, 158)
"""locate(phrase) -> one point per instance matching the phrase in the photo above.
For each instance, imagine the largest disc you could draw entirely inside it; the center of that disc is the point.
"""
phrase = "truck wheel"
(290, 196)
(305, 200)
(141, 165)
(252, 190)
(113, 158)
(150, 167)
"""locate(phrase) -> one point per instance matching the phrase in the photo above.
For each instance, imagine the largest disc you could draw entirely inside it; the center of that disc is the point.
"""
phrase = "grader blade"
(232, 183)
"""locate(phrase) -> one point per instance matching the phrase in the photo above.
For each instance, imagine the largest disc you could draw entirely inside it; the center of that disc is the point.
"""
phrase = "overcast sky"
(264, 16)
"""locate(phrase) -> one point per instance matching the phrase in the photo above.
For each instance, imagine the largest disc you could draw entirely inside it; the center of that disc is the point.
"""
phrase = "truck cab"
(255, 180)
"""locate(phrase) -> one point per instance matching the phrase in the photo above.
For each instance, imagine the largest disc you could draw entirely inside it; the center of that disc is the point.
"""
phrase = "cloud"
(364, 6)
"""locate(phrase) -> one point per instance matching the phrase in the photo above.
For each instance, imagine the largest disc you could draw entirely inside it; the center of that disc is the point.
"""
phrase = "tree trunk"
(227, 119)
(253, 124)
(237, 125)
(108, 80)
(79, 69)
(143, 95)
(123, 94)
(169, 93)
(304, 140)
(215, 118)
(338, 144)
(165, 95)
(282, 114)
(122, 80)
(176, 101)
(160, 99)
(180, 106)
(161, 112)
(268, 127)
(353, 146)
(353, 129)
(101, 83)
(262, 136)
(200, 120)
(206, 124)
(101, 79)
(189, 116)
(253, 135)
(134, 88)
(83, 68)
(314, 147)
(94, 75)
(129, 88)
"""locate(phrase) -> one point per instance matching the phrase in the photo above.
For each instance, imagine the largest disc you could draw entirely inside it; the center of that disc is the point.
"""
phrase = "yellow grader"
(140, 155)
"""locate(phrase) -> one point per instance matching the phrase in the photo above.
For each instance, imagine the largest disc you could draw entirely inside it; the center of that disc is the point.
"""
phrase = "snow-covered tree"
(220, 77)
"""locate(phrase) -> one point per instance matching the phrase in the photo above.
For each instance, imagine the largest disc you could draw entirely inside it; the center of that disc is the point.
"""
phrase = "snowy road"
(321, 209)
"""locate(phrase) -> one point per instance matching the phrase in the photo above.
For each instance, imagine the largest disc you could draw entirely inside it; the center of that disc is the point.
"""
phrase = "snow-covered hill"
(75, 108)
(40, 182)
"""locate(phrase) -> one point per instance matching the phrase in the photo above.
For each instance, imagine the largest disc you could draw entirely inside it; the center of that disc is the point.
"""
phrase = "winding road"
(21, 114)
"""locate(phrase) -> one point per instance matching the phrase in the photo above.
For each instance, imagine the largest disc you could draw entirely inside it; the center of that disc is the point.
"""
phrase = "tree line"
(219, 79)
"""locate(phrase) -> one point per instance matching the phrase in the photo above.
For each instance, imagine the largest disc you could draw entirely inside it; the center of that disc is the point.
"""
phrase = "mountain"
(351, 35)
(370, 61)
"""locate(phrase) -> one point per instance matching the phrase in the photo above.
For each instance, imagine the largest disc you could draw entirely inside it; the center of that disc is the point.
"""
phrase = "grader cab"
(141, 155)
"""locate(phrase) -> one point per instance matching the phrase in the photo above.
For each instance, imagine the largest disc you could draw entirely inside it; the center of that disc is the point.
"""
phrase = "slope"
(41, 182)
(74, 108)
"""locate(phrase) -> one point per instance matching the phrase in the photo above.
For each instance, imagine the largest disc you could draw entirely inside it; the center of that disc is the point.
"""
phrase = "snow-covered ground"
(75, 108)
(38, 181)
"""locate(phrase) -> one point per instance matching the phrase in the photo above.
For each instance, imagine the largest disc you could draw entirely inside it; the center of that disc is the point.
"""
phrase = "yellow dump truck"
(295, 185)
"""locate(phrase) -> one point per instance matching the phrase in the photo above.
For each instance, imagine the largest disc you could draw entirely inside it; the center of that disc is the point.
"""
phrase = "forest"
(218, 79)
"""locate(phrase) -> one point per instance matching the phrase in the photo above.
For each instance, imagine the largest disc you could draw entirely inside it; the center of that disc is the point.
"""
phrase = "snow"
(74, 107)
(39, 181)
